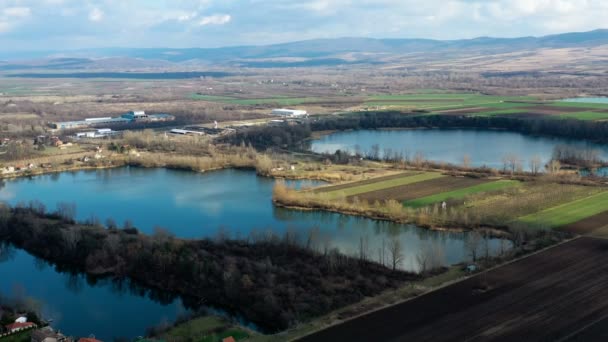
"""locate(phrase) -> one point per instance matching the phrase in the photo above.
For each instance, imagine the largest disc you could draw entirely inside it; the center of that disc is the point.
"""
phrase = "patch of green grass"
(212, 98)
(208, 329)
(499, 112)
(286, 101)
(218, 337)
(438, 102)
(23, 336)
(569, 212)
(587, 116)
(580, 104)
(278, 100)
(460, 193)
(407, 179)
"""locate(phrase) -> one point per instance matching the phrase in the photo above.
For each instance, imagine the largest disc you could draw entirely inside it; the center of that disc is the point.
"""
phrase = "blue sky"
(72, 24)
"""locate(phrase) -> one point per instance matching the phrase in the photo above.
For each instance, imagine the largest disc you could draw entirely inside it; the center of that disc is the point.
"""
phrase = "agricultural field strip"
(330, 188)
(460, 193)
(569, 212)
(546, 296)
(408, 179)
(596, 225)
(421, 189)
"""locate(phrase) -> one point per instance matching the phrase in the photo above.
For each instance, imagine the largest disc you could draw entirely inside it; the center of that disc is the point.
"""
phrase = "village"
(27, 324)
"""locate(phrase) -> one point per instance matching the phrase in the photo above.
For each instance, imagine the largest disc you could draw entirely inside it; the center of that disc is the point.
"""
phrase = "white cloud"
(96, 14)
(4, 26)
(187, 16)
(216, 19)
(50, 23)
(17, 12)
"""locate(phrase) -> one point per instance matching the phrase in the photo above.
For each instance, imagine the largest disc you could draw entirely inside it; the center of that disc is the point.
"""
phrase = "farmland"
(430, 102)
(547, 296)
(279, 100)
(380, 184)
(569, 212)
(471, 201)
(421, 189)
(460, 193)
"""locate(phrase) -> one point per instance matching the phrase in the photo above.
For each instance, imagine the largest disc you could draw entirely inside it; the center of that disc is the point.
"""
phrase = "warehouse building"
(133, 116)
(289, 112)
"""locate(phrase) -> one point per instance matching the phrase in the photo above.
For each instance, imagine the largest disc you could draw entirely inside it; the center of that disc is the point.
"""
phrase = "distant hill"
(309, 53)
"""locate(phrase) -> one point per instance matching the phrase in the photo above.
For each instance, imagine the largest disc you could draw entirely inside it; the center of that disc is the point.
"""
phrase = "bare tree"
(67, 211)
(382, 253)
(430, 257)
(375, 152)
(466, 161)
(535, 164)
(396, 251)
(511, 161)
(364, 248)
(71, 237)
(472, 242)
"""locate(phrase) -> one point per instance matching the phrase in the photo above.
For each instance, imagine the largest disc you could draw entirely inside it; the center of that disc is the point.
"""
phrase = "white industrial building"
(288, 112)
(100, 133)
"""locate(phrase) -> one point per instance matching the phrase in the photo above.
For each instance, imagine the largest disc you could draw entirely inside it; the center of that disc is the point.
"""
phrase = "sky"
(76, 24)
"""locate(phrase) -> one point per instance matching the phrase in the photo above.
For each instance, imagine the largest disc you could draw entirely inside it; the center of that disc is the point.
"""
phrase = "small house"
(89, 339)
(20, 326)
(47, 334)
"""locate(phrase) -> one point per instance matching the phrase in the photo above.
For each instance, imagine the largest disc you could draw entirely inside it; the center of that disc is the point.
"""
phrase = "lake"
(191, 205)
(587, 100)
(79, 307)
(450, 145)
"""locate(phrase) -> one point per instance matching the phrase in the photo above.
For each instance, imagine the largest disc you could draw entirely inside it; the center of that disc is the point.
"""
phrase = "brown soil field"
(421, 189)
(588, 225)
(553, 295)
(365, 182)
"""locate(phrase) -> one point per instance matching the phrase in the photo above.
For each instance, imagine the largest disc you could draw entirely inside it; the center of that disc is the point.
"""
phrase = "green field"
(460, 193)
(570, 212)
(436, 101)
(406, 179)
(279, 100)
(205, 329)
(585, 116)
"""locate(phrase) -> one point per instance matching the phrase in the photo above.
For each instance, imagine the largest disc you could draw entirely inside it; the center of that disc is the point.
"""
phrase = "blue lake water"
(191, 205)
(79, 308)
(587, 100)
(483, 147)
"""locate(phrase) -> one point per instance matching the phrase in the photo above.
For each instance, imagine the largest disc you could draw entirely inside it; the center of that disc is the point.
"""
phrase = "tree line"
(568, 128)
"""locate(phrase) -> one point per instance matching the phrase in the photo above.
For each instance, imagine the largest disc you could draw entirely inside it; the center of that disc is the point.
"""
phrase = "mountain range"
(309, 53)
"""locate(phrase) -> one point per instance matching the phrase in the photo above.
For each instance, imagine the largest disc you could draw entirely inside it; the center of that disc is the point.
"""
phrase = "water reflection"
(195, 205)
(484, 148)
(231, 203)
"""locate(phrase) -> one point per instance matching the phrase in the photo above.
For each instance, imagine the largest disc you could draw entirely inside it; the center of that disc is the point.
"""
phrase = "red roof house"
(88, 339)
(14, 327)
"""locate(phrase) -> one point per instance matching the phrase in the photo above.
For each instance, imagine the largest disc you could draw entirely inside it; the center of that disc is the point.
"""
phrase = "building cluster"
(98, 133)
(44, 334)
(51, 140)
(19, 168)
(130, 117)
(201, 130)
